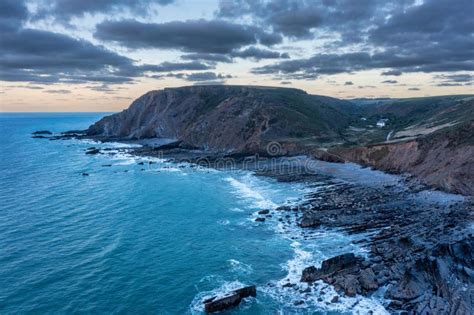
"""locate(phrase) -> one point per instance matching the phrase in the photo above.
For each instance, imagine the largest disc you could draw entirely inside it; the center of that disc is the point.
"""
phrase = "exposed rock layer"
(247, 120)
(443, 160)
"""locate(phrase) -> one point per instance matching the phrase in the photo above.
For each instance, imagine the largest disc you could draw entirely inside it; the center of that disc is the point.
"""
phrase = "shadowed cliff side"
(442, 159)
(430, 138)
(232, 119)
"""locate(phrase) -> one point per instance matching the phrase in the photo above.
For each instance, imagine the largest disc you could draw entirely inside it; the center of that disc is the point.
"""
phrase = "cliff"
(443, 160)
(431, 138)
(236, 119)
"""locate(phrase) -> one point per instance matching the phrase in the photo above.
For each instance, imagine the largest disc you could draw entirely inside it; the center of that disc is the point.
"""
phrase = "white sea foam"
(223, 222)
(320, 295)
(240, 267)
(245, 190)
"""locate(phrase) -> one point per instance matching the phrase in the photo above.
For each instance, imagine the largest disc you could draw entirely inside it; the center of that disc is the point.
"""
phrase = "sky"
(100, 55)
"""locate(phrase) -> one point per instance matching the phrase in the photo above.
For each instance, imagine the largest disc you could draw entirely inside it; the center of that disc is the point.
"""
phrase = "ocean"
(149, 239)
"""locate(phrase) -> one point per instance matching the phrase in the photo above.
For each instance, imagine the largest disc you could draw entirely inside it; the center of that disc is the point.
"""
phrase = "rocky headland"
(430, 138)
(420, 252)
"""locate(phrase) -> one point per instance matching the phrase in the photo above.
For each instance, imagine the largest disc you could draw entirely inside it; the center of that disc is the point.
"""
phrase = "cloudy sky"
(98, 55)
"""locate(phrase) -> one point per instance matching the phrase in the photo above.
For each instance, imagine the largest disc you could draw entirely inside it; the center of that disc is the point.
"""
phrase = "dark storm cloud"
(175, 66)
(58, 91)
(436, 36)
(257, 54)
(206, 76)
(392, 72)
(196, 76)
(326, 64)
(41, 56)
(448, 84)
(207, 57)
(298, 18)
(318, 65)
(465, 77)
(200, 36)
(12, 14)
(32, 55)
(65, 9)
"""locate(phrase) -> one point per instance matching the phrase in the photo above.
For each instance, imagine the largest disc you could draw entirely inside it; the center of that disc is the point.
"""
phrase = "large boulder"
(230, 300)
(329, 266)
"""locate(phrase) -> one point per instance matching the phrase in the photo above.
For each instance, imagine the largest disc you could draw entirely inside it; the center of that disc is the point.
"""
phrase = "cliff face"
(228, 118)
(443, 160)
(431, 138)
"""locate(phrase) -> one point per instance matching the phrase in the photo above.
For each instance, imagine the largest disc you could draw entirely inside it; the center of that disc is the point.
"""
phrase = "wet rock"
(335, 299)
(299, 302)
(73, 133)
(265, 211)
(230, 300)
(93, 151)
(140, 163)
(367, 280)
(42, 132)
(307, 290)
(331, 265)
(309, 221)
(85, 174)
(310, 274)
(260, 219)
(351, 285)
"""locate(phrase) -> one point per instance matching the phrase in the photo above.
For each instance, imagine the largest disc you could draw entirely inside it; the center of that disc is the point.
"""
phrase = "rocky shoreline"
(421, 251)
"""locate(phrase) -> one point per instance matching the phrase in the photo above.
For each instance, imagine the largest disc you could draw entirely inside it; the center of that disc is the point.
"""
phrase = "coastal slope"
(231, 119)
(430, 138)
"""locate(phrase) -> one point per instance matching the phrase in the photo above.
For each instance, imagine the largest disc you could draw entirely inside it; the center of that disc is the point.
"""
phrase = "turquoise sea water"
(152, 241)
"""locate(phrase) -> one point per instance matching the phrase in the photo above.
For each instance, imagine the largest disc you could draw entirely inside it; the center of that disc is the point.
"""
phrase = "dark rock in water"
(106, 165)
(232, 299)
(283, 208)
(260, 219)
(42, 132)
(93, 151)
(91, 148)
(335, 299)
(310, 274)
(329, 266)
(73, 132)
(85, 174)
(39, 137)
(309, 221)
(140, 163)
(265, 211)
(169, 146)
(299, 302)
(209, 300)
